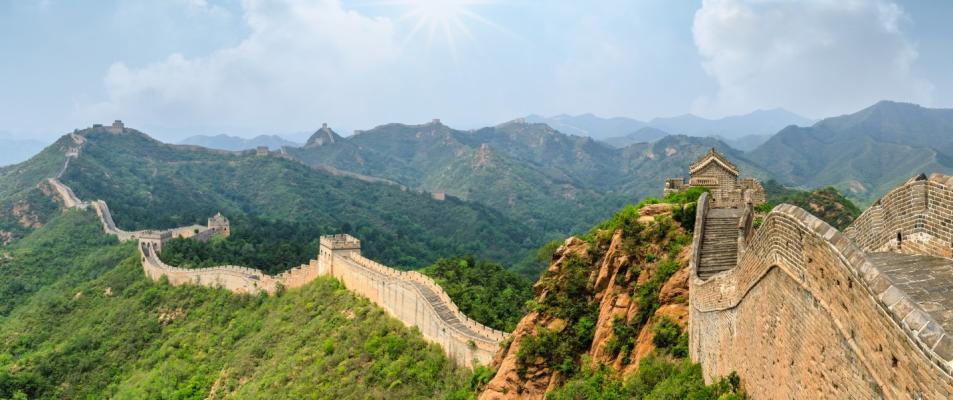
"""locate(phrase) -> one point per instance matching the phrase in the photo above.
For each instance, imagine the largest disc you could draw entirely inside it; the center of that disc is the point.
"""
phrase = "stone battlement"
(914, 218)
(340, 242)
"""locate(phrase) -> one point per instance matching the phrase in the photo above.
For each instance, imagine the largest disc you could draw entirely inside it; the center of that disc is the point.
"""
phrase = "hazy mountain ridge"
(529, 171)
(863, 154)
(589, 125)
(758, 122)
(745, 131)
(235, 143)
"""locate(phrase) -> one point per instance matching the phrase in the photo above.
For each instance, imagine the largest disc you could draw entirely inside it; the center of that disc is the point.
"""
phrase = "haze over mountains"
(14, 150)
(234, 143)
(865, 153)
(743, 131)
(557, 182)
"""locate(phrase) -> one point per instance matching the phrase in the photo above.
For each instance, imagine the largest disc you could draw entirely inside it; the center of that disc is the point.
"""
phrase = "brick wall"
(920, 211)
(804, 315)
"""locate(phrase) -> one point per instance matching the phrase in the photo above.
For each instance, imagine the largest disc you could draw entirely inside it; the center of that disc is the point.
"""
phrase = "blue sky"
(181, 67)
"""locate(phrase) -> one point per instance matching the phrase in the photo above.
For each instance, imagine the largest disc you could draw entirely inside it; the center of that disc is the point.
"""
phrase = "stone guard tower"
(219, 224)
(333, 246)
(720, 176)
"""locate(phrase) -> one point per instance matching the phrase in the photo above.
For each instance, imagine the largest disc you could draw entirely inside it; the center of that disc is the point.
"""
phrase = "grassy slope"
(97, 328)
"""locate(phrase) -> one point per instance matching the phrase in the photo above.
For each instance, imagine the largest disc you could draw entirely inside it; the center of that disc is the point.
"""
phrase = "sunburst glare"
(449, 18)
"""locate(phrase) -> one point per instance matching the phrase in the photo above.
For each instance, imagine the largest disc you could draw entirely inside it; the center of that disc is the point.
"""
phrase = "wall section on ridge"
(919, 213)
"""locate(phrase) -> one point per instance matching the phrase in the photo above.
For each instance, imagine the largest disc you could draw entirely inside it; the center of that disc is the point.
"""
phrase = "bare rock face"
(507, 384)
(648, 212)
(538, 378)
(612, 278)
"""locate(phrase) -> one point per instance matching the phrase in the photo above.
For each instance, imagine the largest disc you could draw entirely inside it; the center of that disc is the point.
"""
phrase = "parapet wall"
(805, 314)
(233, 278)
(919, 213)
(418, 301)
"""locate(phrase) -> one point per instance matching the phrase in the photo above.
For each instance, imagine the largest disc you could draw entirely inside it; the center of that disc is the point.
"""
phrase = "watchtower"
(261, 151)
(334, 246)
(720, 176)
(117, 127)
(219, 224)
(156, 239)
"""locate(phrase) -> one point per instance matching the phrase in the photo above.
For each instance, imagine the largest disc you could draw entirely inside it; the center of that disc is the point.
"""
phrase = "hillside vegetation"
(825, 203)
(271, 200)
(485, 292)
(609, 316)
(91, 325)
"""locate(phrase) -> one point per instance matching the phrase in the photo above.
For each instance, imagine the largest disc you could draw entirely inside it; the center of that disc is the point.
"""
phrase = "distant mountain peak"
(323, 136)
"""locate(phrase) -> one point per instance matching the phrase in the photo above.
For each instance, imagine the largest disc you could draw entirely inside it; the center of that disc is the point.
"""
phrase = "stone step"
(719, 244)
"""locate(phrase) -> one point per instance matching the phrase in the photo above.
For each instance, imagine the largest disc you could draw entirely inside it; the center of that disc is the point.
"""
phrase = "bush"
(666, 333)
(656, 378)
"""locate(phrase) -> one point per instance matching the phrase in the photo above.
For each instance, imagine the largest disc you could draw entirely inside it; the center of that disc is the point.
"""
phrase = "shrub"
(666, 333)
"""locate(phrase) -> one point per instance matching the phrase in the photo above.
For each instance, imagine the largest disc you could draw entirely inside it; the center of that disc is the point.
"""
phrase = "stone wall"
(409, 296)
(412, 298)
(418, 301)
(804, 314)
(919, 213)
(233, 278)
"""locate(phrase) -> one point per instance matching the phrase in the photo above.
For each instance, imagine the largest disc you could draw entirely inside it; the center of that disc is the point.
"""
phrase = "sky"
(246, 67)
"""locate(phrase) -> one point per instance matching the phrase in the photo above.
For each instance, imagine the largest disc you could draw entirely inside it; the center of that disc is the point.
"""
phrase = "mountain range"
(149, 184)
(743, 131)
(235, 143)
(863, 154)
(552, 181)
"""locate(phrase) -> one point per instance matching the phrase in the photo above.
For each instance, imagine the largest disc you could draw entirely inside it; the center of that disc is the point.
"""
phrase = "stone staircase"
(719, 247)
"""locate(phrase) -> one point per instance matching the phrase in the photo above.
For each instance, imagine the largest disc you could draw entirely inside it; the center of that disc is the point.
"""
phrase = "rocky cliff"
(599, 305)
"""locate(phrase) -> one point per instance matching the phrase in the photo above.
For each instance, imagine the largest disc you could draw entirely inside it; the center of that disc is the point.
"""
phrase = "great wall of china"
(801, 310)
(795, 307)
(411, 297)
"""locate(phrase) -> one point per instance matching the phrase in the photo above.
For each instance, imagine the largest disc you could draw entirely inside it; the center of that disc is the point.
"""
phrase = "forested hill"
(560, 184)
(79, 320)
(149, 184)
(863, 154)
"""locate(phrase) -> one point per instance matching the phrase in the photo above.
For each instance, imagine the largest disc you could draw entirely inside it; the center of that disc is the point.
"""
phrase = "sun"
(447, 18)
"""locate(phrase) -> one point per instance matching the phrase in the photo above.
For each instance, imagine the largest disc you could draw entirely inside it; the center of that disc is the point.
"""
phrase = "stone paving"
(927, 280)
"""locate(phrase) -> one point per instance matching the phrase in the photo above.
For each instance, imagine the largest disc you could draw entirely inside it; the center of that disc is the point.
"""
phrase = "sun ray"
(446, 20)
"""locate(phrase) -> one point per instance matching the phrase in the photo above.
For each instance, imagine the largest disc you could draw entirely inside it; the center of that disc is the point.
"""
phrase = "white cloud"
(818, 57)
(302, 61)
